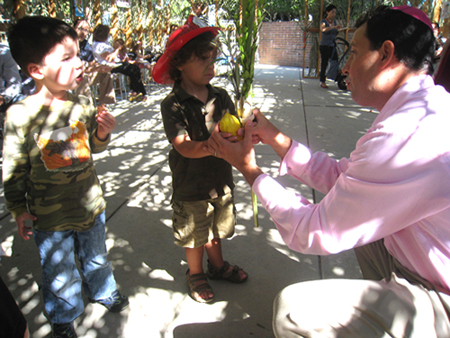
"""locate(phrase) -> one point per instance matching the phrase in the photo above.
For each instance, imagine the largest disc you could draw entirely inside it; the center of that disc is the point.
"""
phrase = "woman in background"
(330, 30)
(117, 58)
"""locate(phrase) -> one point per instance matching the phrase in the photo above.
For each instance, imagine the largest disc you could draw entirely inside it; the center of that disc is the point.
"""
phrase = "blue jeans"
(61, 281)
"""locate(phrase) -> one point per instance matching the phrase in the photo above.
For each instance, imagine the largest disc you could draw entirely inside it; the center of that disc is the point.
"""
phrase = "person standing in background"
(330, 30)
(94, 73)
(11, 82)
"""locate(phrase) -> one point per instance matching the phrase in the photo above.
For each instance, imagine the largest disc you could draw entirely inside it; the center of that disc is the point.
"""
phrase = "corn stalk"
(240, 56)
(247, 28)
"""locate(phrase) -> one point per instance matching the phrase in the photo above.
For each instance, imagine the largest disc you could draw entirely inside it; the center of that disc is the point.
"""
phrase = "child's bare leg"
(214, 251)
(194, 257)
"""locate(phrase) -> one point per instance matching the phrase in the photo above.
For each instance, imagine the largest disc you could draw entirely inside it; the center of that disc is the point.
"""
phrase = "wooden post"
(97, 13)
(320, 37)
(159, 23)
(240, 13)
(437, 11)
(348, 18)
(305, 38)
(139, 28)
(19, 9)
(167, 18)
(129, 30)
(150, 23)
(114, 21)
(52, 8)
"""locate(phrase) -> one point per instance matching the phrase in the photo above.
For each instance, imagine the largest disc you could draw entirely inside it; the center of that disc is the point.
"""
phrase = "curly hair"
(201, 46)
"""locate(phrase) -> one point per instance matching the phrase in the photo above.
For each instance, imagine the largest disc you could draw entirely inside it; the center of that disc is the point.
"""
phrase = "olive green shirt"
(48, 168)
(196, 179)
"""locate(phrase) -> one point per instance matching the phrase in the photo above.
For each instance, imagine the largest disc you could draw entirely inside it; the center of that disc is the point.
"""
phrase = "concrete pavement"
(149, 268)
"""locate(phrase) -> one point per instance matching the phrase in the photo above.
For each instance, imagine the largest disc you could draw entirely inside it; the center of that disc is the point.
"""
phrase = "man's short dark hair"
(33, 37)
(414, 40)
(201, 46)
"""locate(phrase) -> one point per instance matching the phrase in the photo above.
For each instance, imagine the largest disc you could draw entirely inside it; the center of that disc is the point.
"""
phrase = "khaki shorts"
(198, 222)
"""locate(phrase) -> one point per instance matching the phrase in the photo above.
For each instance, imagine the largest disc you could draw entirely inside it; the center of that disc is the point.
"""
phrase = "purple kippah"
(415, 12)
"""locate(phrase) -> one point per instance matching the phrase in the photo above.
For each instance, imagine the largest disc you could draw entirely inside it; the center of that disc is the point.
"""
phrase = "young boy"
(49, 176)
(202, 200)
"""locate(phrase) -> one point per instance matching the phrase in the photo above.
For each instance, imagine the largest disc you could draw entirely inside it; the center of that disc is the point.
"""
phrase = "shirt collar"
(182, 95)
(407, 91)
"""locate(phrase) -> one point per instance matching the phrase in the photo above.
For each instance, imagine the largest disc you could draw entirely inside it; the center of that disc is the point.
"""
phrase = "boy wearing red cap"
(202, 200)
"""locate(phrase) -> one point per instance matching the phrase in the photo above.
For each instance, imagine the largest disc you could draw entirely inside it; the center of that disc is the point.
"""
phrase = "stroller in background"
(337, 61)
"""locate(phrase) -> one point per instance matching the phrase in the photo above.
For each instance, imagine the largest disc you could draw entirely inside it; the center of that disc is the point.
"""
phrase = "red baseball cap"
(192, 28)
(416, 13)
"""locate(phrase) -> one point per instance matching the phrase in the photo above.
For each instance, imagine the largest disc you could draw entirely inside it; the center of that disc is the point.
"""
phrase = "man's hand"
(24, 231)
(265, 132)
(106, 123)
(241, 154)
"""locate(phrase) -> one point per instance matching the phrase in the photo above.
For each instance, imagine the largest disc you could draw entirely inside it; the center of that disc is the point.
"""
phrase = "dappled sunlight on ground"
(148, 267)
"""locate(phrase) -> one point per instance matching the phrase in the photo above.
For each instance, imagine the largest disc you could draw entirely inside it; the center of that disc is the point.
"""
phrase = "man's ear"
(387, 51)
(35, 71)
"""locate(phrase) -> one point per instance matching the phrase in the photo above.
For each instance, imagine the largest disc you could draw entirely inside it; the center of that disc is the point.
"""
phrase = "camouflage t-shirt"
(47, 164)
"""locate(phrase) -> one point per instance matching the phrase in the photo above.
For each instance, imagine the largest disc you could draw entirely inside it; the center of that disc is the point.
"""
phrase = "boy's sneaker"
(65, 330)
(116, 303)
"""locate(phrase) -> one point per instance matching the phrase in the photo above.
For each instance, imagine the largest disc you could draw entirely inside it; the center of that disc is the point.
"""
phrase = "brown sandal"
(197, 288)
(223, 273)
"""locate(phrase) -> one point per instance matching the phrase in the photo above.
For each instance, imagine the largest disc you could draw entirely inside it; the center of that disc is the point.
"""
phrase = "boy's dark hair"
(201, 46)
(329, 8)
(33, 37)
(413, 40)
(101, 33)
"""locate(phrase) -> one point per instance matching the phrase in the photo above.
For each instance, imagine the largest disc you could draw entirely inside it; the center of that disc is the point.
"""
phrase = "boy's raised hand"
(24, 231)
(106, 123)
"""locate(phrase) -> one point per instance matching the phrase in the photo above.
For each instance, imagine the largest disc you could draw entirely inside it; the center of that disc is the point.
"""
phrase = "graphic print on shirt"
(65, 149)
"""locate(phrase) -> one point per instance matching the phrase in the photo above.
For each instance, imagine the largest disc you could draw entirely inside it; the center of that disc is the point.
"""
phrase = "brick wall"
(280, 44)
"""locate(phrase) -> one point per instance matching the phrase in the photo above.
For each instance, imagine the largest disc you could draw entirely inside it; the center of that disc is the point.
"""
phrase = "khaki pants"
(399, 305)
(106, 87)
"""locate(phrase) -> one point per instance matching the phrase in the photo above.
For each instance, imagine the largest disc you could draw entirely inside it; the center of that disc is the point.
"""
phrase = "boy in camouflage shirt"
(49, 175)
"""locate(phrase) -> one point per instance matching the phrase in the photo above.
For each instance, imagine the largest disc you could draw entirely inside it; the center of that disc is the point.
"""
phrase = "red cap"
(415, 12)
(192, 28)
